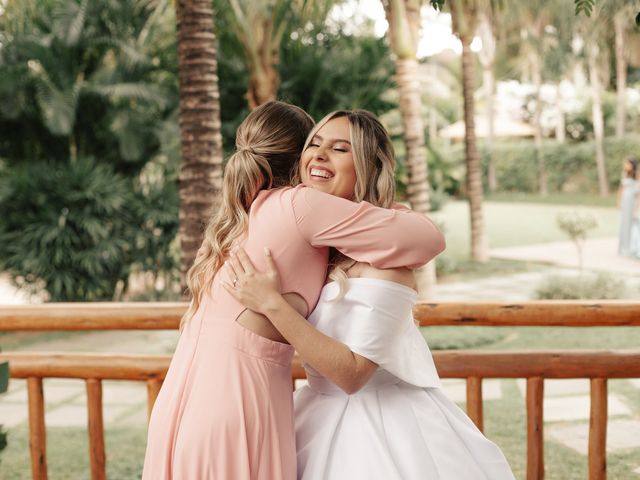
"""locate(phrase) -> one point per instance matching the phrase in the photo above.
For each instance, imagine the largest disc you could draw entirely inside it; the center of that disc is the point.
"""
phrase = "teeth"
(317, 172)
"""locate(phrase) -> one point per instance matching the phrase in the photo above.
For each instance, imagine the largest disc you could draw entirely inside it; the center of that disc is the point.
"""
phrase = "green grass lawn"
(68, 454)
(554, 199)
(512, 338)
(516, 223)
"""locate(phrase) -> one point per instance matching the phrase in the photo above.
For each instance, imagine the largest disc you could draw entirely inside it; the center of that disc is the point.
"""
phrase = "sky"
(435, 35)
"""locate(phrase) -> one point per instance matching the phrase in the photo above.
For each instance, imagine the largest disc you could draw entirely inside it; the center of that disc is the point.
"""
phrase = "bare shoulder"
(403, 276)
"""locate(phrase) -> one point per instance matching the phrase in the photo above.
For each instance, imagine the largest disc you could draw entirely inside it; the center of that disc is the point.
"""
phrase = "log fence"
(473, 365)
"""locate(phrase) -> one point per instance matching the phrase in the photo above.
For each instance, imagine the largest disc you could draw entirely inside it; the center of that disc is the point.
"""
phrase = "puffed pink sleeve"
(385, 238)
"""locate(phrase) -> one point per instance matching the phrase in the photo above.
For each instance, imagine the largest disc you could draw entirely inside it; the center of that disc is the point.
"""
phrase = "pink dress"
(225, 410)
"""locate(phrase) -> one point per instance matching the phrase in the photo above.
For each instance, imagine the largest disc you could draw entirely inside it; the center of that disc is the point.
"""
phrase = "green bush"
(576, 225)
(570, 167)
(446, 265)
(76, 229)
(579, 125)
(601, 287)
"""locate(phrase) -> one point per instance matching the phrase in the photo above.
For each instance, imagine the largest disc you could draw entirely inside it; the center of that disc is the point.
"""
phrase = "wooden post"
(37, 432)
(474, 401)
(153, 388)
(598, 430)
(535, 440)
(96, 429)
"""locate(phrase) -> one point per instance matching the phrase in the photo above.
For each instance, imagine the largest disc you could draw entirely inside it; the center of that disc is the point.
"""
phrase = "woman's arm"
(260, 292)
(384, 238)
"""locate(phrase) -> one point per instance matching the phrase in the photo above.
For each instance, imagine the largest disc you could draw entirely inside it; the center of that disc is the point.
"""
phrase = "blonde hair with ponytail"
(268, 146)
(374, 162)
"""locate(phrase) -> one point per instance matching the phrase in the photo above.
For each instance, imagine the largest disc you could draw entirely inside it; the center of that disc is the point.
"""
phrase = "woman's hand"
(255, 290)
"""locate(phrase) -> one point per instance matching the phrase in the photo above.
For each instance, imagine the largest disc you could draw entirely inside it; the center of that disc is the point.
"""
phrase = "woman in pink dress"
(225, 410)
(373, 408)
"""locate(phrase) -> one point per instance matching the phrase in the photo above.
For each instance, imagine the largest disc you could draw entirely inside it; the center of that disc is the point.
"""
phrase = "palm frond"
(139, 91)
(58, 105)
(584, 6)
(69, 20)
(131, 56)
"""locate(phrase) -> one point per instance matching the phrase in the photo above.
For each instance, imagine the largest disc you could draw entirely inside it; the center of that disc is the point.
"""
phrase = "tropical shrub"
(570, 167)
(86, 79)
(600, 287)
(577, 225)
(77, 228)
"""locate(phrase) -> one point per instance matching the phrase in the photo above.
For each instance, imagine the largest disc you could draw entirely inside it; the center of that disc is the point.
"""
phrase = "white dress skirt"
(400, 425)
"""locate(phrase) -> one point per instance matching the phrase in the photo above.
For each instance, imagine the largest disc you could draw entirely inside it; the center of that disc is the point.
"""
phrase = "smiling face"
(327, 162)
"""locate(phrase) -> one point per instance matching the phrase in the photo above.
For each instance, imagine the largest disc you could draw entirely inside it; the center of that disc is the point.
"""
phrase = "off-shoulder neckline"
(379, 281)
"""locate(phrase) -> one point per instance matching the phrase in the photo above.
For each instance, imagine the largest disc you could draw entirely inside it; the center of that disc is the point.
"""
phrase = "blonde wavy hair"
(374, 162)
(268, 147)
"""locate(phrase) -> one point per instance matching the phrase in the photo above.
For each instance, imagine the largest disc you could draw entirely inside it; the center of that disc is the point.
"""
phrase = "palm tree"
(260, 26)
(593, 60)
(487, 59)
(464, 17)
(403, 17)
(71, 63)
(200, 137)
(533, 18)
(592, 29)
(404, 22)
(622, 12)
(560, 60)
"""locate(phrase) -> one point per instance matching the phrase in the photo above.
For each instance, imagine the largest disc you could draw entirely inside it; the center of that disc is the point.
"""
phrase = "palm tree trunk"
(200, 137)
(263, 81)
(416, 160)
(413, 127)
(433, 114)
(536, 75)
(598, 118)
(621, 72)
(487, 60)
(561, 125)
(433, 124)
(403, 17)
(489, 82)
(479, 241)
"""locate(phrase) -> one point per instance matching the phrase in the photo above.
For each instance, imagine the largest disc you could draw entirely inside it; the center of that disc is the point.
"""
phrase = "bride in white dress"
(373, 408)
(391, 420)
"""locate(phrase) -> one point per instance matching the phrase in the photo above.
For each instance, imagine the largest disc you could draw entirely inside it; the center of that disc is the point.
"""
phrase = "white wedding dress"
(400, 425)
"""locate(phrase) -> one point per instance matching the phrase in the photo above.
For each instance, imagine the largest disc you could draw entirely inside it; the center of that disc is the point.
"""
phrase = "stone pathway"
(599, 254)
(517, 287)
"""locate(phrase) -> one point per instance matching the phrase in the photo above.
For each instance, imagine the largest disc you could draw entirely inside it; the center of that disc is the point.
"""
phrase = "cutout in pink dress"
(225, 410)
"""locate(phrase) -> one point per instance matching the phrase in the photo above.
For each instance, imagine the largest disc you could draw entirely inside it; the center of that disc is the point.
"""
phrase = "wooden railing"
(473, 365)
